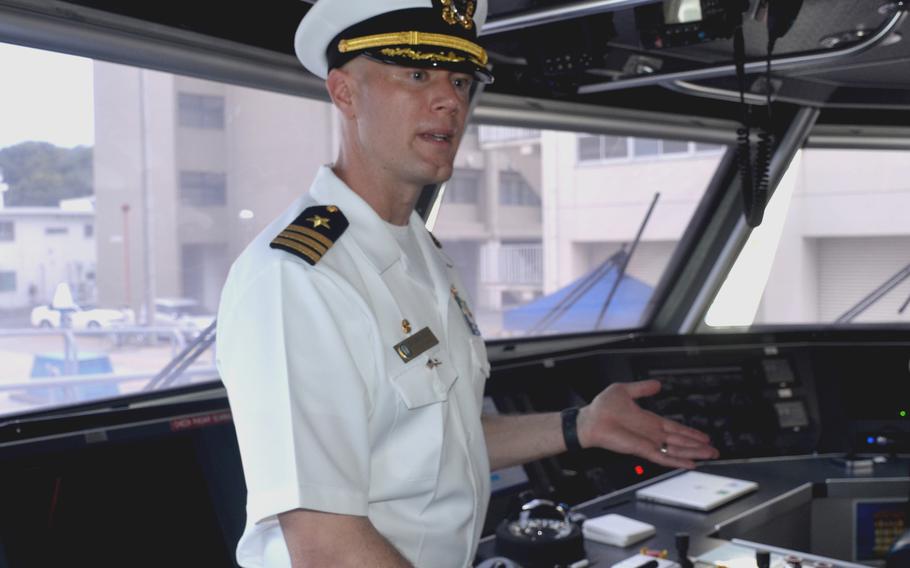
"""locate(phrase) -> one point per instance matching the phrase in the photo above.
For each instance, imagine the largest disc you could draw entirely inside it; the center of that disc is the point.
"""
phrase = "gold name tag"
(418, 343)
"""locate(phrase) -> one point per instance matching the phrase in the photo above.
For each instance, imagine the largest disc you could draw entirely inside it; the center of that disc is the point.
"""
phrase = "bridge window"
(554, 232)
(833, 248)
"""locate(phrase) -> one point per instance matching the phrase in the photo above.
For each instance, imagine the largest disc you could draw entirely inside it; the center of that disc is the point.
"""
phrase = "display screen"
(877, 525)
(682, 11)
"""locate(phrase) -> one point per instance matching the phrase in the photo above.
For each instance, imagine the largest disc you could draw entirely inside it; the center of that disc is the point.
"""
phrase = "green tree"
(41, 174)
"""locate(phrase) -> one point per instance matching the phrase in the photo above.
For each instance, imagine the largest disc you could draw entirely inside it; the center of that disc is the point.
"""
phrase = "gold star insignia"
(406, 326)
(318, 221)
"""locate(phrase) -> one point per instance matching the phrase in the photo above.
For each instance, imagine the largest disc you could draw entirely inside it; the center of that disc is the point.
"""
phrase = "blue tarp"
(625, 308)
(54, 365)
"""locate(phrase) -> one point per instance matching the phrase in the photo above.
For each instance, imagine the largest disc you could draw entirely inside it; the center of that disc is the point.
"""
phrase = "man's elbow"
(316, 539)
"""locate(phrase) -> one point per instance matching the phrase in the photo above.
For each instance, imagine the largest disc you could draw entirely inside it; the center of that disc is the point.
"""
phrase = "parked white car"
(96, 318)
(183, 313)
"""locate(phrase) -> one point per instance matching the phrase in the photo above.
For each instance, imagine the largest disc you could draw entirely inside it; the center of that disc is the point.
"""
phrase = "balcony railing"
(492, 134)
(513, 265)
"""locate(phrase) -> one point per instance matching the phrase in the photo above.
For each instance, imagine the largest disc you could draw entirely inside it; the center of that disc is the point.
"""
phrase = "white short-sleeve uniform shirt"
(328, 416)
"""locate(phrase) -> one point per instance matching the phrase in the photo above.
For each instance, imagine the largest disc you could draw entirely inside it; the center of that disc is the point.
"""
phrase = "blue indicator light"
(870, 440)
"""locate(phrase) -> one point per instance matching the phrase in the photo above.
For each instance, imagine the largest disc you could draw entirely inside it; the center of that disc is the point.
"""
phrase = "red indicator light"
(639, 470)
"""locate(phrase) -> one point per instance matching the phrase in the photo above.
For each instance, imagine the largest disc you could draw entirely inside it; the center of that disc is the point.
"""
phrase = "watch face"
(541, 529)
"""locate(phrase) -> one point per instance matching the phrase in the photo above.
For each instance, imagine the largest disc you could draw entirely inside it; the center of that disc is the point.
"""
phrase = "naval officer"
(352, 361)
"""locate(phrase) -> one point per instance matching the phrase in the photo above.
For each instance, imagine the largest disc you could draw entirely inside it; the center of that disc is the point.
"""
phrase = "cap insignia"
(311, 243)
(451, 15)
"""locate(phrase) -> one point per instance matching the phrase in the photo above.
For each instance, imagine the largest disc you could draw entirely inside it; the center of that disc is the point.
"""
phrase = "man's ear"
(339, 85)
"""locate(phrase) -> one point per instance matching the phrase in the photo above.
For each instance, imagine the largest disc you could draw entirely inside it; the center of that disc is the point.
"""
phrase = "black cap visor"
(411, 56)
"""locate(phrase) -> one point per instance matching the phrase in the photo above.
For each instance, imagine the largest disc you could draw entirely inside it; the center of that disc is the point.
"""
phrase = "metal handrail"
(65, 381)
(553, 14)
(124, 330)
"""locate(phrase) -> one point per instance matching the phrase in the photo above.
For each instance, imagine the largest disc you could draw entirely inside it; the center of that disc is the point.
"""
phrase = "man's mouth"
(437, 136)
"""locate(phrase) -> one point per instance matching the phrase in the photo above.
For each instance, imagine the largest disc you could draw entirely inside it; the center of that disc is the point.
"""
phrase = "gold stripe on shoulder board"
(312, 233)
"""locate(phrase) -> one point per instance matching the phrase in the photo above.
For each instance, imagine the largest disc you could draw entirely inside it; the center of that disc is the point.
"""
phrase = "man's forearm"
(518, 439)
(324, 539)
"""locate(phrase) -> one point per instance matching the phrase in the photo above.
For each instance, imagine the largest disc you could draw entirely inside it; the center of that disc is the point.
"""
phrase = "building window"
(596, 148)
(646, 147)
(674, 147)
(7, 281)
(700, 147)
(200, 111)
(600, 148)
(490, 134)
(89, 230)
(514, 189)
(615, 147)
(588, 148)
(464, 187)
(56, 230)
(202, 189)
(7, 231)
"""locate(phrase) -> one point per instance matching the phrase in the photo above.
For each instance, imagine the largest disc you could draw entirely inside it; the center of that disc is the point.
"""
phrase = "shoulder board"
(312, 233)
(435, 240)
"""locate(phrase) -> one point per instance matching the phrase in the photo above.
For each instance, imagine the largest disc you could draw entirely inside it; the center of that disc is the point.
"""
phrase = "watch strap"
(570, 428)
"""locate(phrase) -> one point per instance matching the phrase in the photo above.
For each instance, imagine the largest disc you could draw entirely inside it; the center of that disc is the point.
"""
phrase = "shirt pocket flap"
(420, 383)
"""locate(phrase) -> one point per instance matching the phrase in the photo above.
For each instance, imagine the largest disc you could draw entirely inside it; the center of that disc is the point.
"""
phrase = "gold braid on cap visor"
(477, 53)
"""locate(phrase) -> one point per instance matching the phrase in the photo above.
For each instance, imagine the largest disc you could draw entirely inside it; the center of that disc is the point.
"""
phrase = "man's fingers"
(653, 454)
(697, 453)
(677, 462)
(687, 441)
(671, 427)
(639, 389)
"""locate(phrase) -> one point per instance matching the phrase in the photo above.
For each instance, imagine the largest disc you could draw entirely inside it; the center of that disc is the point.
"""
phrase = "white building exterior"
(41, 247)
(847, 233)
(187, 172)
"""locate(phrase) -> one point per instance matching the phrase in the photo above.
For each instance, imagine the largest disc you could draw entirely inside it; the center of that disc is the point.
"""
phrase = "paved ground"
(20, 346)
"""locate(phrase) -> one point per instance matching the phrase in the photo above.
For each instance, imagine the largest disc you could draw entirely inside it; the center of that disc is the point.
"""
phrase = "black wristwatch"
(570, 428)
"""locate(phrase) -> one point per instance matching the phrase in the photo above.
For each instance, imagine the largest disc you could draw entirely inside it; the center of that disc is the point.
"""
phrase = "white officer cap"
(413, 33)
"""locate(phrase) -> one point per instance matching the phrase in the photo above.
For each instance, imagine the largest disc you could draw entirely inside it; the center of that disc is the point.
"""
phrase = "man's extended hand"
(614, 421)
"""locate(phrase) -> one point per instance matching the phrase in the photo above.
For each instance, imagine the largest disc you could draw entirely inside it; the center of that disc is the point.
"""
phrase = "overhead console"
(573, 51)
(675, 23)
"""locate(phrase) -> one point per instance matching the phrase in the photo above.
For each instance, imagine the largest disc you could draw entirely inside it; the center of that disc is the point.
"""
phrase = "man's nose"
(446, 97)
